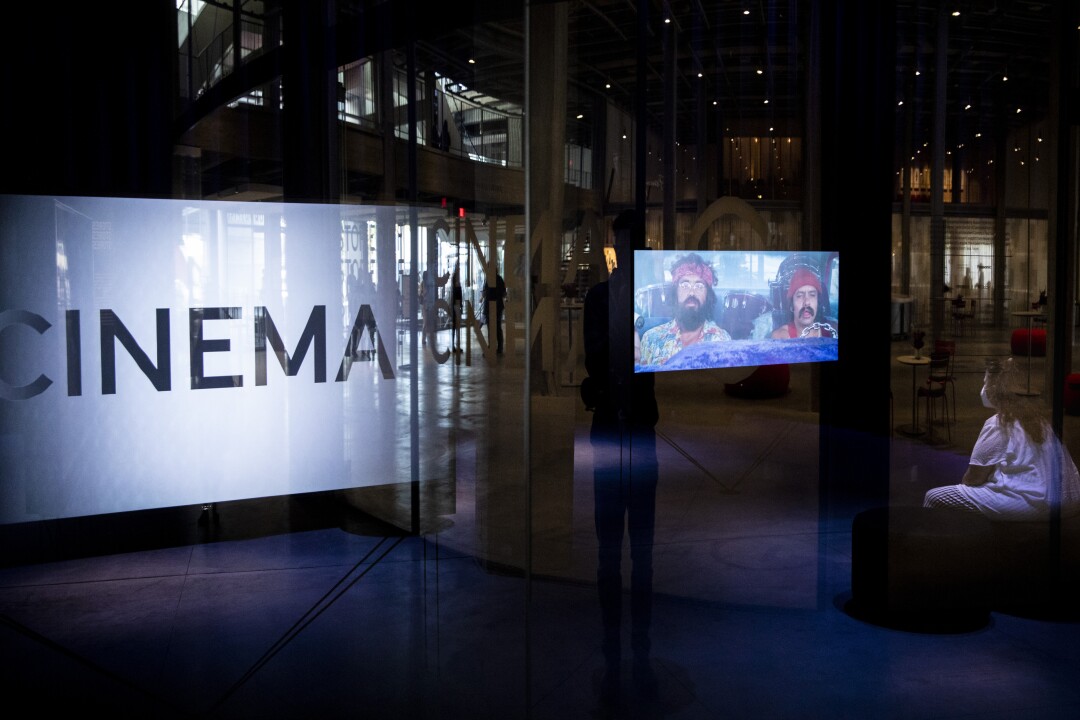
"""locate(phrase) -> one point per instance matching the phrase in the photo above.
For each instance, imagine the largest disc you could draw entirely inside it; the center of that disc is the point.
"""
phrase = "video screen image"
(695, 310)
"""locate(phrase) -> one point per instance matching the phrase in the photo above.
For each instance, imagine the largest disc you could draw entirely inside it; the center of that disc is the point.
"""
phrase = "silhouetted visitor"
(623, 440)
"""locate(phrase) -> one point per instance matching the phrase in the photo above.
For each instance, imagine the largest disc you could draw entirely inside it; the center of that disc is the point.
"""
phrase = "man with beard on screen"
(695, 301)
(804, 296)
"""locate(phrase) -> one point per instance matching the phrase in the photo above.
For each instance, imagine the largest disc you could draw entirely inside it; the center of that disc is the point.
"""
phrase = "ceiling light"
(667, 21)
(745, 12)
(607, 85)
(956, 13)
(580, 116)
(917, 73)
(968, 106)
(900, 103)
(760, 71)
(766, 101)
(978, 135)
(1004, 78)
(471, 61)
(701, 74)
(1017, 111)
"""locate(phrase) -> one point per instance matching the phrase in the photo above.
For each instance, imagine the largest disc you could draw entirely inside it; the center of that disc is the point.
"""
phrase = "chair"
(948, 377)
(935, 389)
(960, 314)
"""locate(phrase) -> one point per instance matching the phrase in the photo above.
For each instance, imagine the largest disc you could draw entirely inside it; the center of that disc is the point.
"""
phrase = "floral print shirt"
(661, 343)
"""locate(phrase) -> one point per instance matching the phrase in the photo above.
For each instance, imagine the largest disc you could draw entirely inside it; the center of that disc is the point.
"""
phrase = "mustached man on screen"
(804, 296)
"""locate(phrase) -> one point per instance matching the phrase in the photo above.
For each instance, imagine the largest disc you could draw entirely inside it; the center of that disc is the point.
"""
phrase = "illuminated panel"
(157, 353)
(695, 310)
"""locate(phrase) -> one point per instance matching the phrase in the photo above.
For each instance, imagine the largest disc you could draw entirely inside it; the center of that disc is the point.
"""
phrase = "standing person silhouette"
(623, 440)
(495, 294)
(456, 301)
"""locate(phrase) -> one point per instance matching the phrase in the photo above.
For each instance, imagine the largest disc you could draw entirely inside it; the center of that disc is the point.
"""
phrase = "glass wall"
(489, 364)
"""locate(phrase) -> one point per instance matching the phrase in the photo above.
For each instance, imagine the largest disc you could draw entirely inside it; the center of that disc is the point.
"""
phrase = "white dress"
(1019, 487)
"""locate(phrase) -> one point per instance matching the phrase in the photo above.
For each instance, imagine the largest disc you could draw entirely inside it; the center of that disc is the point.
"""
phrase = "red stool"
(1072, 394)
(1019, 342)
(1038, 342)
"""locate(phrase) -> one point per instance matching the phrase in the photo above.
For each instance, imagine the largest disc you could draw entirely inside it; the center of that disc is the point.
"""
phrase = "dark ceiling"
(751, 57)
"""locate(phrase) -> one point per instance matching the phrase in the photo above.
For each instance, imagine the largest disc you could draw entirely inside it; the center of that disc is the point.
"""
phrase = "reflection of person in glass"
(623, 441)
(695, 301)
(804, 296)
(1016, 462)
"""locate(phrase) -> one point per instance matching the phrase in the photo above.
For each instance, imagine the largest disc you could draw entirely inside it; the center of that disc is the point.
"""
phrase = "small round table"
(914, 362)
(1030, 315)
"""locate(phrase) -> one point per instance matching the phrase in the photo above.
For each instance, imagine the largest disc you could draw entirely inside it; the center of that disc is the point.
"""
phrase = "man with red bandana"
(695, 302)
(804, 295)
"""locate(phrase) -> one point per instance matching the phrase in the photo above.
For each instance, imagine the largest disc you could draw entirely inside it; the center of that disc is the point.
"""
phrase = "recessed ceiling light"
(607, 85)
(667, 21)
(701, 74)
(745, 12)
(968, 106)
(900, 103)
(580, 116)
(471, 61)
(917, 73)
(760, 71)
(956, 13)
(766, 101)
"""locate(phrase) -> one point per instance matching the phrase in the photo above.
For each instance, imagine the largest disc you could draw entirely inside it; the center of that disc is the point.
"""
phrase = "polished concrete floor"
(314, 607)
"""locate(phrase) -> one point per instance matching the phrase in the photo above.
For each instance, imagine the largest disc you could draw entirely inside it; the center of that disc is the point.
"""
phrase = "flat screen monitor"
(734, 308)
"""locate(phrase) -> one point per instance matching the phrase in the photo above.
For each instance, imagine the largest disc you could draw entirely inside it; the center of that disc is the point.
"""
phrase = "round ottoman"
(921, 569)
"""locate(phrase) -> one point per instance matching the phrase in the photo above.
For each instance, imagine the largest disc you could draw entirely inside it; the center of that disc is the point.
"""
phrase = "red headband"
(801, 277)
(700, 269)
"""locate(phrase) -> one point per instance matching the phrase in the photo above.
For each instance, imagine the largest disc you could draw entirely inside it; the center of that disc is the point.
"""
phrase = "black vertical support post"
(905, 188)
(1001, 177)
(670, 130)
(937, 180)
(641, 123)
(414, 266)
(1061, 239)
(855, 44)
(310, 157)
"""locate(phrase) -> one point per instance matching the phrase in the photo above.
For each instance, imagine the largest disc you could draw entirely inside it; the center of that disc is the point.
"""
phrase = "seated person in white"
(1015, 462)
